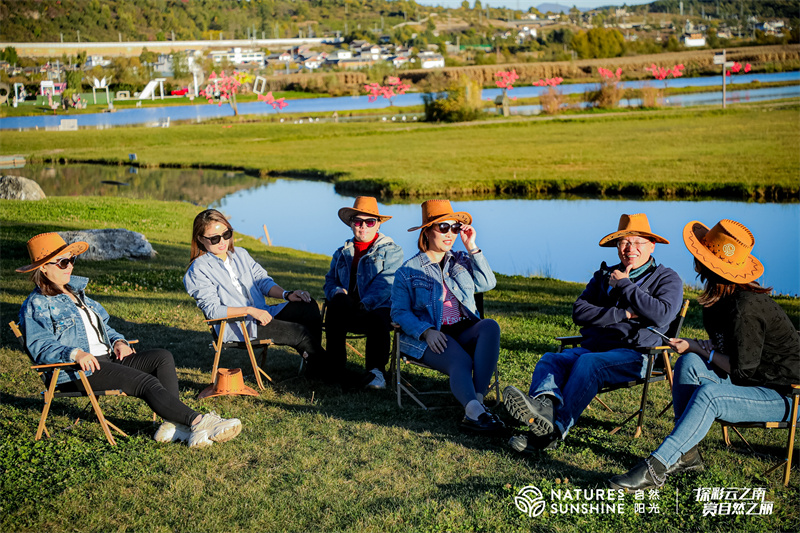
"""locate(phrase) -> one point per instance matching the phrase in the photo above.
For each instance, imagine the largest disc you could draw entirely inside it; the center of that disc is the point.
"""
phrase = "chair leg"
(48, 400)
(354, 350)
(97, 410)
(601, 402)
(256, 370)
(790, 445)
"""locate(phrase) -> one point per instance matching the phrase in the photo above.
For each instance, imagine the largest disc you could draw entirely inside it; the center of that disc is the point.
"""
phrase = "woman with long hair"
(61, 325)
(742, 373)
(226, 281)
(433, 300)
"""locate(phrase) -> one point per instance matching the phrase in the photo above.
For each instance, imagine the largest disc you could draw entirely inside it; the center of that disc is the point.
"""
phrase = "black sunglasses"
(444, 227)
(64, 262)
(370, 222)
(215, 239)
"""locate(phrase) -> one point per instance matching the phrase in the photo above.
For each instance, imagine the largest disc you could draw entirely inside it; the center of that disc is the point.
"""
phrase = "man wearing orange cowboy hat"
(358, 288)
(614, 311)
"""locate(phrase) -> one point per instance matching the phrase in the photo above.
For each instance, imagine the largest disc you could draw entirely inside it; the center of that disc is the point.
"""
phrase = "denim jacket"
(209, 283)
(53, 327)
(375, 272)
(418, 295)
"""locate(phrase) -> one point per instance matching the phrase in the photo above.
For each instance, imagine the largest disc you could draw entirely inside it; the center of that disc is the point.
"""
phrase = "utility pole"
(79, 35)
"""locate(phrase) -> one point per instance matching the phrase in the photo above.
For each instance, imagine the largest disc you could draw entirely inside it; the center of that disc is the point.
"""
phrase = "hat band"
(48, 255)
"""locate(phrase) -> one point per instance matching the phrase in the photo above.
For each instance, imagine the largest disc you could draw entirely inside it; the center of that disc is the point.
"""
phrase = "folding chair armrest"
(233, 318)
(795, 390)
(53, 365)
(570, 341)
(396, 326)
(658, 349)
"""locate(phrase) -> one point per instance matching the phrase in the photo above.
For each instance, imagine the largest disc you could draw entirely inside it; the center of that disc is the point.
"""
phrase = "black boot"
(650, 473)
(689, 461)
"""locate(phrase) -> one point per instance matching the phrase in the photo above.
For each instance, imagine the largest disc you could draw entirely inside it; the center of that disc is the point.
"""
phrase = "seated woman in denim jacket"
(358, 288)
(742, 373)
(225, 281)
(61, 325)
(433, 300)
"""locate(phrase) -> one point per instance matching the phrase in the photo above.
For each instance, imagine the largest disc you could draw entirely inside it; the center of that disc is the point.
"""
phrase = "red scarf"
(359, 252)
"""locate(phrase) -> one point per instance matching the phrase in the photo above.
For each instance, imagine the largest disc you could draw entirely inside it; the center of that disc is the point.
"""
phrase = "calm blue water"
(556, 238)
(149, 115)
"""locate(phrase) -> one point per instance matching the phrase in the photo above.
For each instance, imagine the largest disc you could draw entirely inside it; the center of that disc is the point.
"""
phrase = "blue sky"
(525, 4)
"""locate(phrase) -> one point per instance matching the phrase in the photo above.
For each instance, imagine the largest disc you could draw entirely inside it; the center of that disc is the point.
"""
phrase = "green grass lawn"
(314, 457)
(743, 153)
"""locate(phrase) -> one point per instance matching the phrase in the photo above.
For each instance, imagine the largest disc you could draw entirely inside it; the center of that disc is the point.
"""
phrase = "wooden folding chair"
(402, 385)
(219, 344)
(50, 390)
(791, 425)
(349, 337)
(659, 368)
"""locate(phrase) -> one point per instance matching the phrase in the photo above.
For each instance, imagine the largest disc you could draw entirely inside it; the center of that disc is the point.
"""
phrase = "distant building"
(96, 61)
(431, 60)
(240, 56)
(694, 40)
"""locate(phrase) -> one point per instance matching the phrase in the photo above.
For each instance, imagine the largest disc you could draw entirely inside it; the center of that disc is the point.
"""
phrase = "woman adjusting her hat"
(433, 300)
(358, 289)
(743, 372)
(225, 281)
(61, 325)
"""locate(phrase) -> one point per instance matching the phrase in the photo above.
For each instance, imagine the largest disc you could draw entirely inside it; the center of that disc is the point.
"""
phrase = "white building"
(240, 56)
(694, 39)
(431, 60)
(96, 61)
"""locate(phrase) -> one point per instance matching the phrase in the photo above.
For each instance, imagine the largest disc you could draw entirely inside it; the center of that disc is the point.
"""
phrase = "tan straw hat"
(46, 246)
(434, 211)
(632, 225)
(227, 382)
(724, 249)
(364, 205)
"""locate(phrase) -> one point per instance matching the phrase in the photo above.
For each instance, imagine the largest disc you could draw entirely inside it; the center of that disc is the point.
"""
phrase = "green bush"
(460, 102)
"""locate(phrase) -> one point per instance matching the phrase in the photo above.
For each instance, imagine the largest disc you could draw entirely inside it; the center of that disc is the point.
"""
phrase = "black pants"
(298, 325)
(342, 316)
(149, 375)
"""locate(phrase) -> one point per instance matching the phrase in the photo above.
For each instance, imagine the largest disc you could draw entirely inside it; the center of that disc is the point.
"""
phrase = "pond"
(548, 237)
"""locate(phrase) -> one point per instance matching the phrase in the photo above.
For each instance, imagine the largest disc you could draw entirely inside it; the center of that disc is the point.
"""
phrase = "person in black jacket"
(745, 369)
(615, 310)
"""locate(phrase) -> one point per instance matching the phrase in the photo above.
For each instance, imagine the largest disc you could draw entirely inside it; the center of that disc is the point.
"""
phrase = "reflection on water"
(198, 186)
(556, 238)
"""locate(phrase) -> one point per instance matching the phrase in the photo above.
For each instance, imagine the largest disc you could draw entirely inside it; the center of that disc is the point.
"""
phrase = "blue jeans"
(469, 359)
(575, 376)
(702, 394)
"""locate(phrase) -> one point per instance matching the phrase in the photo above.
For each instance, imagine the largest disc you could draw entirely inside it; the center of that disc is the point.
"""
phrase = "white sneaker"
(378, 382)
(169, 432)
(218, 429)
(199, 439)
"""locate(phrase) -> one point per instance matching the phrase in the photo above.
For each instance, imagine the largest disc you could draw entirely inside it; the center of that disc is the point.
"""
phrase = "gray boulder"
(111, 244)
(19, 188)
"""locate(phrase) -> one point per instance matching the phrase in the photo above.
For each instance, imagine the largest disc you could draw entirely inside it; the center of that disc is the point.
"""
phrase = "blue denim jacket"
(418, 295)
(208, 282)
(375, 272)
(53, 327)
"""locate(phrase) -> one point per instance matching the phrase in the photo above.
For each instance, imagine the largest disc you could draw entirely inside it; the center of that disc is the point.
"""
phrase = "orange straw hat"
(725, 249)
(434, 211)
(364, 205)
(45, 246)
(227, 382)
(632, 225)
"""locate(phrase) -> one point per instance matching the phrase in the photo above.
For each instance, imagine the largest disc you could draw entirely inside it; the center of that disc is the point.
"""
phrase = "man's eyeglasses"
(215, 239)
(633, 244)
(64, 262)
(369, 222)
(444, 227)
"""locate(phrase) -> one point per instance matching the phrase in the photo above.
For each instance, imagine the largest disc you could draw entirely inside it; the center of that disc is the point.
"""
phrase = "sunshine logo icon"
(728, 249)
(530, 501)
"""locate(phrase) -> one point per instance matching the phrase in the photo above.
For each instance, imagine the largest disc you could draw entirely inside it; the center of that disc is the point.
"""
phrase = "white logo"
(728, 249)
(530, 501)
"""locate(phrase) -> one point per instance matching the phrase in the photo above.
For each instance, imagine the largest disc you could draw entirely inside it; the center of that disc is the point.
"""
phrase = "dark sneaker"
(486, 423)
(648, 474)
(689, 461)
(537, 413)
(532, 443)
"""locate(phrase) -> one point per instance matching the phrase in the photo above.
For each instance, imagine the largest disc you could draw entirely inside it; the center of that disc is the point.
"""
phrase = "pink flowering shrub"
(394, 86)
(609, 93)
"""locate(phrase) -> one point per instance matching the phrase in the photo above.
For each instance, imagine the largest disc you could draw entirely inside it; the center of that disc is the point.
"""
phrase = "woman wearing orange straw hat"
(433, 300)
(743, 372)
(61, 325)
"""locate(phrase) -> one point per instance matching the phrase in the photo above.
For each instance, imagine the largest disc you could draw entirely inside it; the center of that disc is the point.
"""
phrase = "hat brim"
(693, 234)
(76, 248)
(459, 216)
(609, 241)
(346, 213)
(209, 392)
